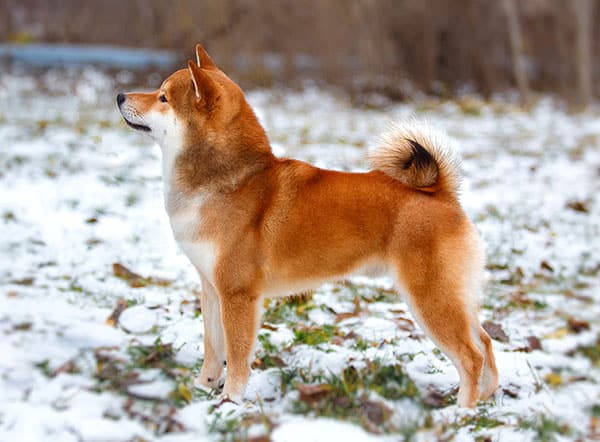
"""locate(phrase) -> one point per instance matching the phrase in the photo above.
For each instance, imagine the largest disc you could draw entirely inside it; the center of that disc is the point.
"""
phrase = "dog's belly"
(277, 288)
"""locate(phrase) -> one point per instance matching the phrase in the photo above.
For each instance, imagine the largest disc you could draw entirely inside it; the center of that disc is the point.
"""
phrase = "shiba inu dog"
(257, 226)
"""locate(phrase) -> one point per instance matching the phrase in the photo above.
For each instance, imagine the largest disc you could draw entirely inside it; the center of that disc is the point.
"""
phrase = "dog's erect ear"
(205, 87)
(203, 59)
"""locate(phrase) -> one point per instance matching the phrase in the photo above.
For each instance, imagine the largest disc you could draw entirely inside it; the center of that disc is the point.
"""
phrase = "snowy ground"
(81, 192)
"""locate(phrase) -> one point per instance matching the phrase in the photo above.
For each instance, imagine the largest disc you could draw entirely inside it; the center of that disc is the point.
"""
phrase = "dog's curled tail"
(418, 156)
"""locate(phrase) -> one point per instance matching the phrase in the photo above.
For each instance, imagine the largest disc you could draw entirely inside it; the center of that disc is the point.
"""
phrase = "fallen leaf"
(405, 324)
(23, 326)
(313, 393)
(511, 391)
(533, 343)
(577, 326)
(23, 281)
(259, 363)
(578, 206)
(113, 319)
(67, 367)
(351, 335)
(546, 266)
(184, 392)
(337, 340)
(558, 334)
(268, 326)
(345, 315)
(553, 379)
(120, 271)
(376, 412)
(495, 331)
(435, 399)
(134, 280)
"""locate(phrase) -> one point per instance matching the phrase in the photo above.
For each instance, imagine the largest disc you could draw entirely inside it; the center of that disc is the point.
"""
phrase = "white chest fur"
(184, 212)
(186, 221)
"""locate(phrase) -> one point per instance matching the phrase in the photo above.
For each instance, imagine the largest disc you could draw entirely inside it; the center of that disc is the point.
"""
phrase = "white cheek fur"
(168, 133)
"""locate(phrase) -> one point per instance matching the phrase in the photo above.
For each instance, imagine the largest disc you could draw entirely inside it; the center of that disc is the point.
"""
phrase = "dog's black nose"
(120, 99)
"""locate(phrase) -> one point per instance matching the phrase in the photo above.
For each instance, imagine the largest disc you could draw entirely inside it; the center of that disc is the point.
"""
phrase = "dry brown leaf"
(313, 393)
(113, 319)
(578, 206)
(23, 281)
(533, 343)
(268, 326)
(135, 280)
(376, 412)
(495, 331)
(577, 326)
(345, 315)
(405, 324)
(67, 367)
(545, 265)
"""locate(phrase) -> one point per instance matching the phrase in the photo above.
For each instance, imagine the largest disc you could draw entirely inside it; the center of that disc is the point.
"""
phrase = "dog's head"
(206, 129)
(193, 103)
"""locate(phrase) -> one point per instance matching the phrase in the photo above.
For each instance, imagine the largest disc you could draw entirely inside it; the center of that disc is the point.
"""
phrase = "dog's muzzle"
(127, 113)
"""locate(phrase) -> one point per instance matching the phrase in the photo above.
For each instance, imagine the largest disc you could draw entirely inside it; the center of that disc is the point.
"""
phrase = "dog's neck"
(210, 166)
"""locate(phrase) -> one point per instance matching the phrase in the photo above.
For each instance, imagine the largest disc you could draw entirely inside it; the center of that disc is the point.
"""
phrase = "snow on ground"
(81, 192)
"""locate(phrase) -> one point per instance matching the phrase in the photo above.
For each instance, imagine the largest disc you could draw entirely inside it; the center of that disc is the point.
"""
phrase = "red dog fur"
(255, 225)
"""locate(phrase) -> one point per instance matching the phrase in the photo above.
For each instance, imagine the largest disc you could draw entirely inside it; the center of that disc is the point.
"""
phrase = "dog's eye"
(163, 98)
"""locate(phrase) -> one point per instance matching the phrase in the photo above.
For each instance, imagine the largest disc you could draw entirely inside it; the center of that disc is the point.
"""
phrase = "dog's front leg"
(214, 341)
(240, 311)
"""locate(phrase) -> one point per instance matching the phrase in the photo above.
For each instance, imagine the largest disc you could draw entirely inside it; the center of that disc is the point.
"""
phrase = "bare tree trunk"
(516, 46)
(366, 13)
(5, 33)
(584, 15)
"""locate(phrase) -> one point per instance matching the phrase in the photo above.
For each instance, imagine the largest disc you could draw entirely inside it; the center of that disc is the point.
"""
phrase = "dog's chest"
(186, 223)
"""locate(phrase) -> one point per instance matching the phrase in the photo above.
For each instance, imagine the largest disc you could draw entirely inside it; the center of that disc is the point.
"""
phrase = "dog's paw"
(211, 375)
(209, 382)
(224, 398)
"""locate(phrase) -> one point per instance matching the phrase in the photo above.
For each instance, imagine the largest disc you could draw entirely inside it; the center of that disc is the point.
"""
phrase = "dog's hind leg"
(489, 377)
(435, 289)
(448, 325)
(214, 341)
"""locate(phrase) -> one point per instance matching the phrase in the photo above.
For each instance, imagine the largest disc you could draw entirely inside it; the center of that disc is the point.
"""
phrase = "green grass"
(268, 355)
(289, 310)
(546, 428)
(480, 422)
(592, 352)
(315, 335)
(349, 396)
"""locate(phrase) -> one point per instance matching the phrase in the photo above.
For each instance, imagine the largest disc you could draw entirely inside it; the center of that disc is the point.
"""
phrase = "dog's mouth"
(141, 127)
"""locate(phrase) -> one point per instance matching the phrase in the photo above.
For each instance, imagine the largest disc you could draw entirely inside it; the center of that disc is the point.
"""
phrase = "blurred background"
(397, 48)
